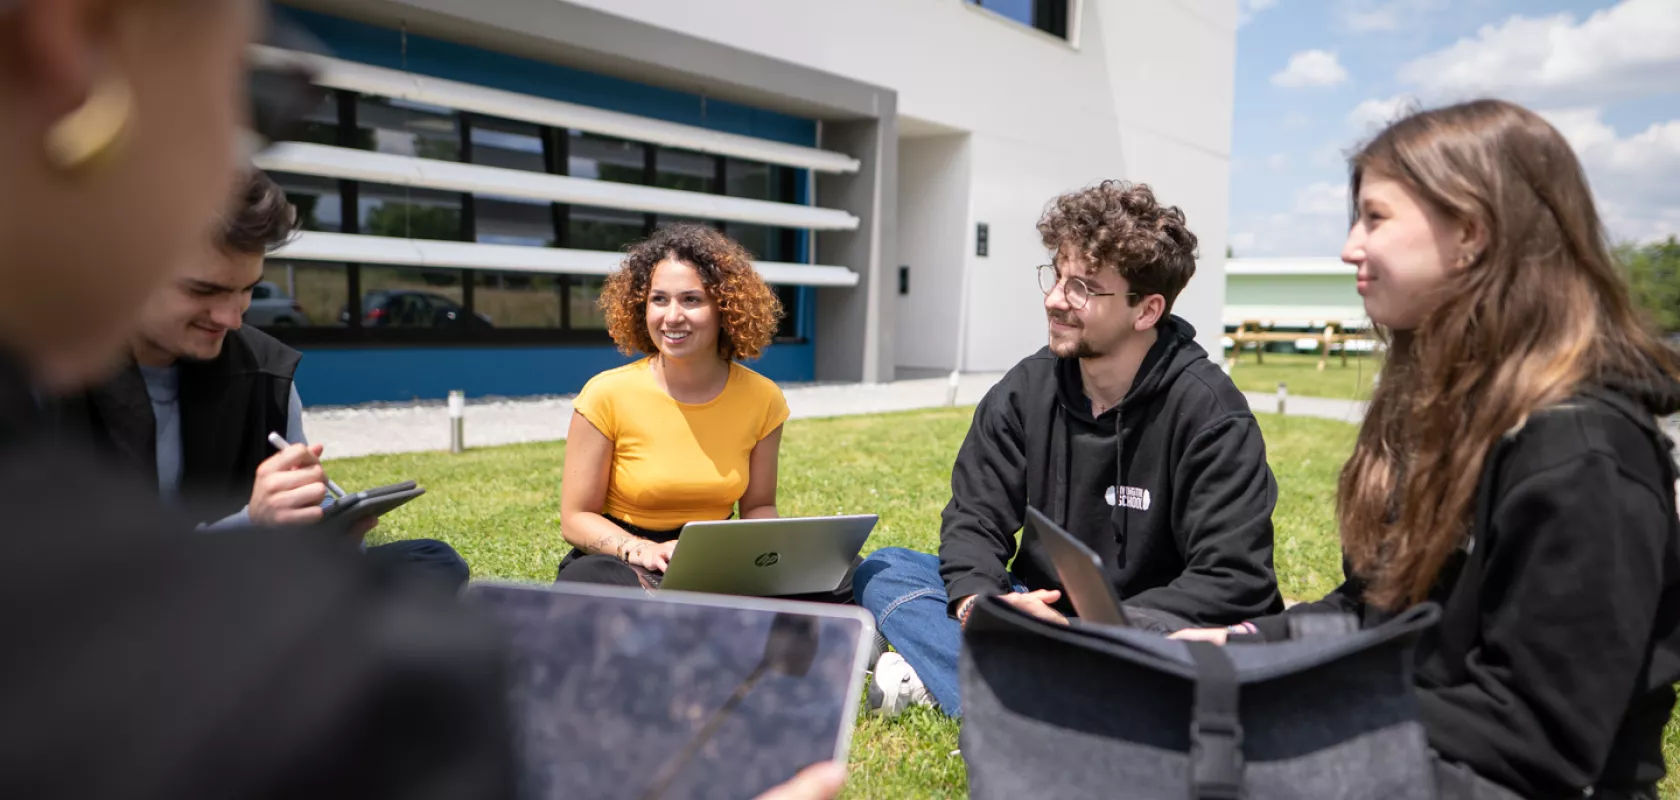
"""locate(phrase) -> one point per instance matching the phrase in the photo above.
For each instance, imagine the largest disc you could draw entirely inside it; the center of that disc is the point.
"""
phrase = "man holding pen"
(207, 402)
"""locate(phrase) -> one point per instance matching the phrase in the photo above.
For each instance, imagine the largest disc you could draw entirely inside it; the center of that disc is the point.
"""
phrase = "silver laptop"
(767, 557)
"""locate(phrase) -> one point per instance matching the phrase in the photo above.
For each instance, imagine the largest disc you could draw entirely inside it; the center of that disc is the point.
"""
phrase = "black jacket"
(229, 405)
(1188, 526)
(1552, 667)
(144, 661)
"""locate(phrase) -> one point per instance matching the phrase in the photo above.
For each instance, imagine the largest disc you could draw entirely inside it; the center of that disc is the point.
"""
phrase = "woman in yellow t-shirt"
(685, 434)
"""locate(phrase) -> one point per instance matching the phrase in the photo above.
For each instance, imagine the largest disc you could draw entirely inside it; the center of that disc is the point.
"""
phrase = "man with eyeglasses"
(1122, 431)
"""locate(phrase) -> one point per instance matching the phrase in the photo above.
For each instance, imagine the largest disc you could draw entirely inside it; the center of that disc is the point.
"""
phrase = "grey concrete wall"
(855, 326)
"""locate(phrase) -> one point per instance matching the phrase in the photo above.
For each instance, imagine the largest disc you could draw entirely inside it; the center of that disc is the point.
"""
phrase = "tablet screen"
(618, 694)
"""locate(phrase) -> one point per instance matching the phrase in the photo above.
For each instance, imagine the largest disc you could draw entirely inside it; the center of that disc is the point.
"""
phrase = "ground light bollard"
(457, 421)
(1283, 397)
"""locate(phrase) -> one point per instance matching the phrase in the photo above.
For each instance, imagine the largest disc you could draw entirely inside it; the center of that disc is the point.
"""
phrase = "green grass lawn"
(1300, 372)
(500, 508)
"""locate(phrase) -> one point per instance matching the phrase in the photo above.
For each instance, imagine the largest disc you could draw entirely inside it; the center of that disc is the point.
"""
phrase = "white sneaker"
(896, 687)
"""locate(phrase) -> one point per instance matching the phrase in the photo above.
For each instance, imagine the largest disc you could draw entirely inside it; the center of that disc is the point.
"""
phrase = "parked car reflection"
(272, 307)
(407, 308)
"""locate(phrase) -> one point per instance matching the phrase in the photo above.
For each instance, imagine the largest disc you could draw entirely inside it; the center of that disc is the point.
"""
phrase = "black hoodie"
(1559, 643)
(1171, 488)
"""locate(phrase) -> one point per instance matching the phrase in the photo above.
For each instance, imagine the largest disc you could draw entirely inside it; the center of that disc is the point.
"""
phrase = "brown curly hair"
(748, 308)
(1119, 224)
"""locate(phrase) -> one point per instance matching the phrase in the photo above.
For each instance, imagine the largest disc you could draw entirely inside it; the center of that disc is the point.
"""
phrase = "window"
(519, 299)
(405, 128)
(601, 158)
(1050, 16)
(590, 228)
(686, 171)
(509, 145)
(409, 213)
(317, 200)
(585, 304)
(299, 294)
(409, 297)
(312, 303)
(501, 220)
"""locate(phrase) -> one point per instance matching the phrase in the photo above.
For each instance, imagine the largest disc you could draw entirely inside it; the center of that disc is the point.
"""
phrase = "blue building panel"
(385, 47)
(333, 377)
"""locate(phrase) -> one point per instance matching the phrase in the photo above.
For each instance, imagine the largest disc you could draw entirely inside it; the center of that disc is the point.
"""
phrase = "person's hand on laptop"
(1037, 604)
(1210, 635)
(816, 782)
(652, 556)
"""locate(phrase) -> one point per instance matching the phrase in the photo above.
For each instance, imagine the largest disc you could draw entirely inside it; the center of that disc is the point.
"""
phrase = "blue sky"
(1314, 77)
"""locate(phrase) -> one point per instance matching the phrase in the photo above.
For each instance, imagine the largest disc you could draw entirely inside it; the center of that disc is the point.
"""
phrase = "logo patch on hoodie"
(1130, 497)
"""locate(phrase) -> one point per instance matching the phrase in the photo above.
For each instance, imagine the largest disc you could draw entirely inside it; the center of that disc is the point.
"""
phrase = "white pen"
(281, 444)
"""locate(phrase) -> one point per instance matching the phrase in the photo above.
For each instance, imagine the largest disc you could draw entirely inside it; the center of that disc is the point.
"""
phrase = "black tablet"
(1080, 571)
(371, 502)
(679, 696)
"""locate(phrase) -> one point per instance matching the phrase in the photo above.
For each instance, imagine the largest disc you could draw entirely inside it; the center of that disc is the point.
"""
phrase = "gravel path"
(391, 428)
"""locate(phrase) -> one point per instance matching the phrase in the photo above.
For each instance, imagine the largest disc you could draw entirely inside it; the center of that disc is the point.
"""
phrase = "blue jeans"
(902, 588)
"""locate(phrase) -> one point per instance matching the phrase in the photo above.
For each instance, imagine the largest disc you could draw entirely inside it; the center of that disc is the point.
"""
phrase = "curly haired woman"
(684, 434)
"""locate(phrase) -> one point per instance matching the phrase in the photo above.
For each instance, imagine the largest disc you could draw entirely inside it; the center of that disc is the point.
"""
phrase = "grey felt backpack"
(1087, 711)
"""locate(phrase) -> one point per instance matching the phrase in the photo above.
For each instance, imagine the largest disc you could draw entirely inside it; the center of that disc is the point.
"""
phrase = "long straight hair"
(1541, 310)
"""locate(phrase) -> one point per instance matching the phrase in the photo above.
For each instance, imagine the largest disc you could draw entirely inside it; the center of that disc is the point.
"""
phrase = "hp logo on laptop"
(767, 559)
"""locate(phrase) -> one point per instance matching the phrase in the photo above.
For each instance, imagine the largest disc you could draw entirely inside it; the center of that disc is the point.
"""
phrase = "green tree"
(1653, 272)
(413, 221)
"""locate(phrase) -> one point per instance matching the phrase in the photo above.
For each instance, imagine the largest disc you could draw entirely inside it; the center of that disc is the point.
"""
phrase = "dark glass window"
(509, 145)
(789, 295)
(503, 220)
(766, 243)
(321, 125)
(519, 299)
(406, 128)
(298, 294)
(317, 200)
(590, 228)
(585, 306)
(758, 181)
(1050, 16)
(411, 297)
(685, 171)
(603, 158)
(409, 213)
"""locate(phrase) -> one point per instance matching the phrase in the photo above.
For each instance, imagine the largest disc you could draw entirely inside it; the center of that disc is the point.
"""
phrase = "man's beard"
(1082, 347)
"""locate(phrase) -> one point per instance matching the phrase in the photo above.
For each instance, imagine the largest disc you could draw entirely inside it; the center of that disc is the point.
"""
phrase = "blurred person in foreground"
(140, 661)
(200, 393)
(1510, 467)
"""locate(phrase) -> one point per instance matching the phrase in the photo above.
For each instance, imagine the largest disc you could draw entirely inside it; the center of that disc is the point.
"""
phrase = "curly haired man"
(1121, 431)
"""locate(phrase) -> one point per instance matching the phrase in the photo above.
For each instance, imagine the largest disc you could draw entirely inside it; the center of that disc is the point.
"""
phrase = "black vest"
(228, 405)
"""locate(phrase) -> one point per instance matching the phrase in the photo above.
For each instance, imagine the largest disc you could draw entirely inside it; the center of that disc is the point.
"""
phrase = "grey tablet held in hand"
(371, 502)
(1080, 570)
(616, 693)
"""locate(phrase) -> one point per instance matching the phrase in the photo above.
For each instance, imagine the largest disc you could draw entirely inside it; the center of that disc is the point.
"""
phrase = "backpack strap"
(1216, 735)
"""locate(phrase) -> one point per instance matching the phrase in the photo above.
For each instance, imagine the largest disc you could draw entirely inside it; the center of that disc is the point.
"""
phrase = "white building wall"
(933, 193)
(1144, 92)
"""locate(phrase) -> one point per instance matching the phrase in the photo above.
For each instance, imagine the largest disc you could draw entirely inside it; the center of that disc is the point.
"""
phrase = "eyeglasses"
(1077, 291)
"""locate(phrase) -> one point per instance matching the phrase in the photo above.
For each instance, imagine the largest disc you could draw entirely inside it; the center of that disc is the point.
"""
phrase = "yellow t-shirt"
(676, 463)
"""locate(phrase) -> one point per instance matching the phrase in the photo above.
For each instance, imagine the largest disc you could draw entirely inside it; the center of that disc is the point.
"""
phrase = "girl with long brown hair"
(1510, 467)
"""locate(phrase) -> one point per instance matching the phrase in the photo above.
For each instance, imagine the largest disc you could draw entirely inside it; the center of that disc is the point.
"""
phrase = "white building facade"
(886, 160)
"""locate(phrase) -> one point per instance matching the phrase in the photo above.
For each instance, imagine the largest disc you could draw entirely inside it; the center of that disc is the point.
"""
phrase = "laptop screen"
(617, 694)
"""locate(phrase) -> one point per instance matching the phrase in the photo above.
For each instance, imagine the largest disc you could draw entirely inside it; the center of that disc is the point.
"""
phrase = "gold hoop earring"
(90, 134)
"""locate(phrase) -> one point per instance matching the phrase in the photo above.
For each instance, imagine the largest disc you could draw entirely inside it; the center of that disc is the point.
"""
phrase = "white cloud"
(1250, 8)
(1364, 16)
(1376, 113)
(1311, 68)
(1314, 226)
(1627, 50)
(1322, 199)
(1278, 162)
(1633, 177)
